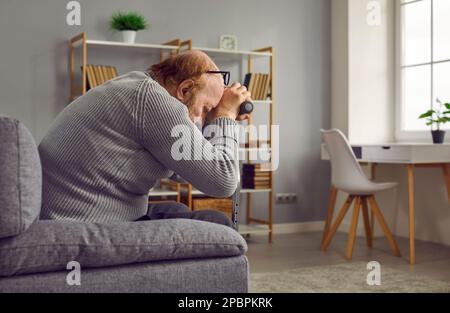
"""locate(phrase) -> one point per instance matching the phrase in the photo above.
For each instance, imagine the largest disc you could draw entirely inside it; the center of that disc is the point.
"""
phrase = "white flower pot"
(128, 36)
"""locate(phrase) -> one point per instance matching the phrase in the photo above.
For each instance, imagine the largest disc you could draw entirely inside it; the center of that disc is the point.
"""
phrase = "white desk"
(411, 155)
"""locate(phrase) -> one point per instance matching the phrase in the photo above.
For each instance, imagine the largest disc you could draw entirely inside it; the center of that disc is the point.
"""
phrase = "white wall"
(370, 113)
(34, 70)
(339, 65)
(363, 71)
(371, 73)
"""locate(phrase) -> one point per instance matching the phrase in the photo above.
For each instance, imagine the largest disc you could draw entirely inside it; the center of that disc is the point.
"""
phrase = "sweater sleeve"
(166, 131)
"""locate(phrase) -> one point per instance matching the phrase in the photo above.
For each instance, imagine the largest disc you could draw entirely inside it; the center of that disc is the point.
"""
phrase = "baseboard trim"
(292, 228)
(307, 227)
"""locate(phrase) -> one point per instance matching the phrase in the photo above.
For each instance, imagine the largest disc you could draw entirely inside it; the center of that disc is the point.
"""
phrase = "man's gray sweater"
(108, 148)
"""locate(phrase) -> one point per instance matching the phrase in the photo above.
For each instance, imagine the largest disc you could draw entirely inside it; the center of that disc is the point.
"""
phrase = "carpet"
(345, 278)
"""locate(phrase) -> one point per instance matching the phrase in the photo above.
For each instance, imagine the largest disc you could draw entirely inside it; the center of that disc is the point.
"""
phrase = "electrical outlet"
(293, 198)
(286, 198)
(280, 198)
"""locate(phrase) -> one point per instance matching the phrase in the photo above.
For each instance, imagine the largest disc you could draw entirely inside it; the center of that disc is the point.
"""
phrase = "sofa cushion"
(211, 275)
(20, 178)
(48, 245)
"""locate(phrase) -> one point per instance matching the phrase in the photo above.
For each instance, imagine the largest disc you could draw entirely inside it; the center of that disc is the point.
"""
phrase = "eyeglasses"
(225, 75)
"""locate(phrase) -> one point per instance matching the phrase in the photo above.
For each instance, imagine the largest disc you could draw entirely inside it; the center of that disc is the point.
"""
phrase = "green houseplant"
(128, 23)
(438, 116)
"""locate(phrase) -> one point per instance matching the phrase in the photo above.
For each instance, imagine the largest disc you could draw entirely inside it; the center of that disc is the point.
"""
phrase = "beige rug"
(346, 278)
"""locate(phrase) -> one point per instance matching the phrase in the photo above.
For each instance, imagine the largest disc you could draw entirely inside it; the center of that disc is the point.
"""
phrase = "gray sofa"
(150, 256)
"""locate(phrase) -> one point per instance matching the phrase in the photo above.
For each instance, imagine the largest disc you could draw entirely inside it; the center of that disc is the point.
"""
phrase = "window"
(424, 71)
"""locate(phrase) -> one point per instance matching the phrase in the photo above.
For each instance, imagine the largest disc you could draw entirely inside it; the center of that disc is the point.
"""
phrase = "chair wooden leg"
(330, 212)
(338, 222)
(353, 226)
(372, 224)
(384, 227)
(367, 227)
(372, 217)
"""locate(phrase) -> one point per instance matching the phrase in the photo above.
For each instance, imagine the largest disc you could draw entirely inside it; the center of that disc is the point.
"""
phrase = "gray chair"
(347, 176)
(150, 256)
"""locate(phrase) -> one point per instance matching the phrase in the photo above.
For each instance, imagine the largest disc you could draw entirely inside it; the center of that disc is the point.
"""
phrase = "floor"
(291, 251)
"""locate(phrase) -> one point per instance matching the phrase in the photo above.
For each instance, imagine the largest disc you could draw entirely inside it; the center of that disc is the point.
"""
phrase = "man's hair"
(178, 68)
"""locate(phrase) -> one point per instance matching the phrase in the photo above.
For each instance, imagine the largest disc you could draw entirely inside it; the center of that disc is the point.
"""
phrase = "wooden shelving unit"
(270, 55)
(81, 41)
(253, 225)
(233, 55)
(166, 191)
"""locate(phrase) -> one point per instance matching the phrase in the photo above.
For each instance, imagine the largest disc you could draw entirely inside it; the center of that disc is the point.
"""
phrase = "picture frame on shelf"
(228, 42)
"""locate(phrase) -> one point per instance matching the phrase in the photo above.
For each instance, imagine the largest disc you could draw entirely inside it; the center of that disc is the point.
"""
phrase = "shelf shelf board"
(105, 43)
(253, 229)
(261, 102)
(221, 52)
(256, 190)
(157, 192)
(196, 192)
(255, 149)
(210, 51)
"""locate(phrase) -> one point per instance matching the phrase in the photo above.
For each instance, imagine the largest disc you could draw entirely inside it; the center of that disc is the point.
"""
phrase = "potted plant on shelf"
(128, 24)
(437, 117)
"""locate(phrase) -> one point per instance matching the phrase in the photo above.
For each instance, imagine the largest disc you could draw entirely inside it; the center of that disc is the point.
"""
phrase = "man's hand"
(230, 103)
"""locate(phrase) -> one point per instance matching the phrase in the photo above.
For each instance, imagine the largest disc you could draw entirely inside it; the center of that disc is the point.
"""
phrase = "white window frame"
(400, 133)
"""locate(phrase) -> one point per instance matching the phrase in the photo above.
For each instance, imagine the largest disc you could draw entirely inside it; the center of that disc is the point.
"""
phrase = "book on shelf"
(256, 176)
(256, 167)
(260, 179)
(113, 72)
(105, 73)
(99, 74)
(255, 144)
(258, 84)
(254, 185)
(91, 80)
(256, 181)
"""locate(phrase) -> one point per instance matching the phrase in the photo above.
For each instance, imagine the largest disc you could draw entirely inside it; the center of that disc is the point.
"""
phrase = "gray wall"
(34, 64)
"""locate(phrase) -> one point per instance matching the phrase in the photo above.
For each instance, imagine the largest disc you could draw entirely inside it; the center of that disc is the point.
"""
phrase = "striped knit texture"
(108, 148)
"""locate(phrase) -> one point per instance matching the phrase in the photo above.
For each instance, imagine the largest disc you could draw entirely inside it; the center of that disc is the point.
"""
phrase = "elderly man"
(109, 147)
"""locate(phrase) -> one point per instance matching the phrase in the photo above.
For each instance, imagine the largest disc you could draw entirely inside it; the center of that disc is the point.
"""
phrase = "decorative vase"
(438, 136)
(128, 36)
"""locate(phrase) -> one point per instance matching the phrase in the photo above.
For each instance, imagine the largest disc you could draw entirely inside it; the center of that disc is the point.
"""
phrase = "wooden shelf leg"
(71, 69)
(249, 208)
(330, 212)
(190, 197)
(84, 61)
(270, 217)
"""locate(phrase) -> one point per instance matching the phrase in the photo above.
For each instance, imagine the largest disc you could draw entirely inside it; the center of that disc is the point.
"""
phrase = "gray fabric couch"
(150, 256)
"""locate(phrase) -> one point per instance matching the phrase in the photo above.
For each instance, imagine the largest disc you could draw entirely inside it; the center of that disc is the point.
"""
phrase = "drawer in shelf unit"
(222, 205)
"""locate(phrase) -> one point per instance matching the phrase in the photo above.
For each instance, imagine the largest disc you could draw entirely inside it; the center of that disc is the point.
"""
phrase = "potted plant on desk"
(437, 117)
(128, 24)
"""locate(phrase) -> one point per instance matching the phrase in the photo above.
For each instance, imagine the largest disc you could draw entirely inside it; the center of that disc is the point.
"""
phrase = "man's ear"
(184, 89)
